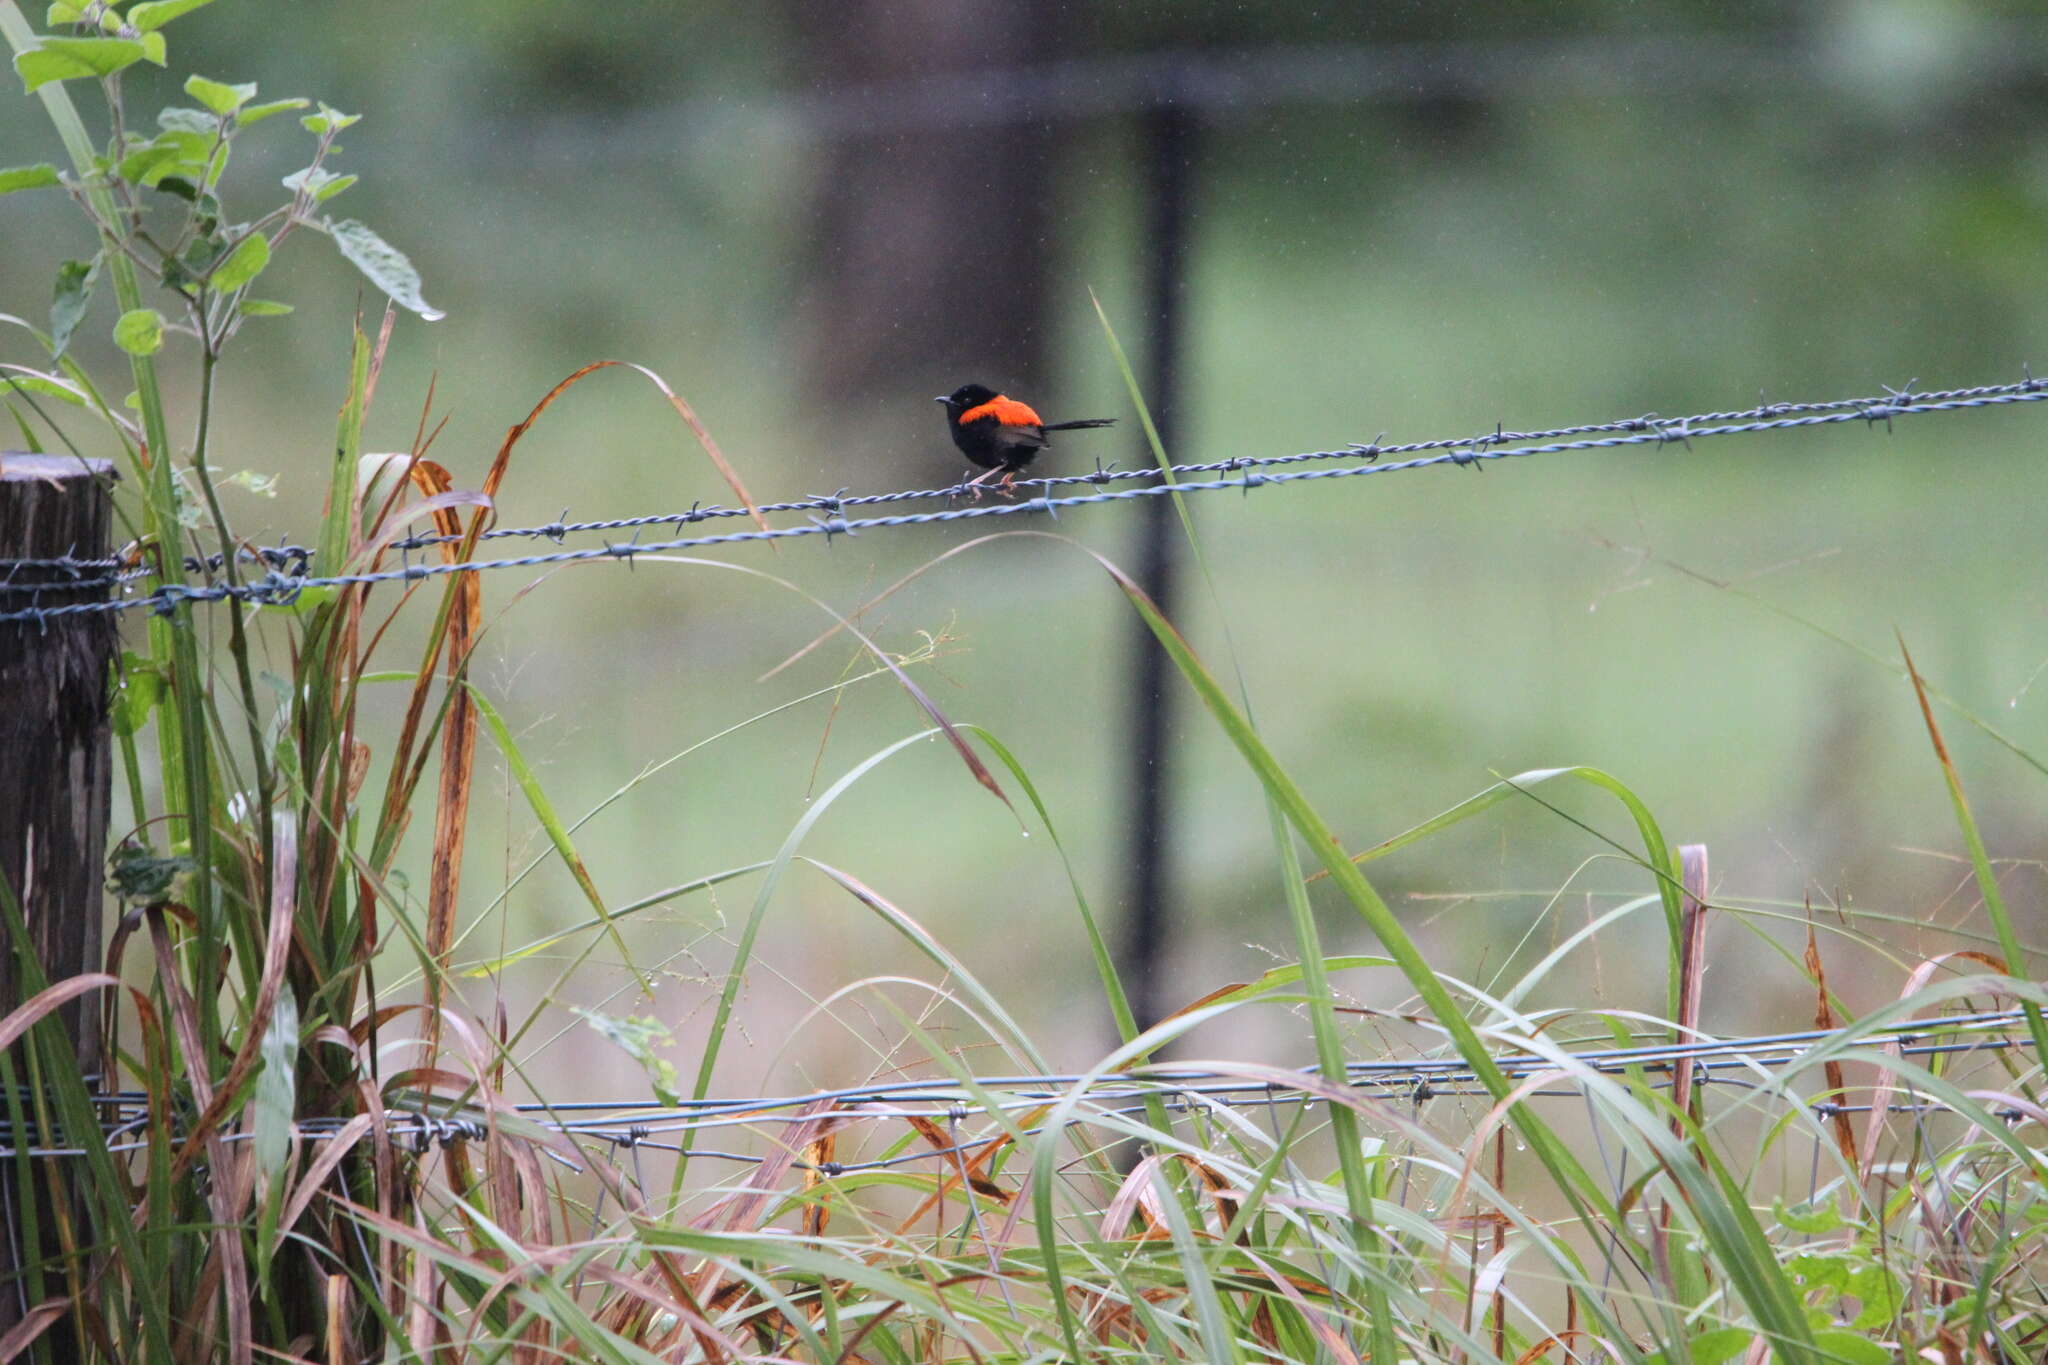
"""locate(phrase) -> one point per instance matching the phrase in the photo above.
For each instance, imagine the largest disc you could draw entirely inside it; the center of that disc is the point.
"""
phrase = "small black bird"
(1000, 434)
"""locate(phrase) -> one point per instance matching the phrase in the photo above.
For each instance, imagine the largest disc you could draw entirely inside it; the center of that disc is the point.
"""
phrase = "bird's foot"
(972, 487)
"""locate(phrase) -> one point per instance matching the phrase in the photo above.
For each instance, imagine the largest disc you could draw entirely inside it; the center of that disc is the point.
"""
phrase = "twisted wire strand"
(1649, 422)
(279, 588)
(1415, 1081)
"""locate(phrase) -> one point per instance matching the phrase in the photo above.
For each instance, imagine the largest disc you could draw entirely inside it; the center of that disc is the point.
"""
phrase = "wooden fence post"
(55, 754)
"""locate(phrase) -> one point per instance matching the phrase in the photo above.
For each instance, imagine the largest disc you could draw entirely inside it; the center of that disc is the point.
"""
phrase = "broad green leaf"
(384, 264)
(1809, 1220)
(142, 686)
(178, 119)
(638, 1038)
(256, 113)
(199, 258)
(1711, 1347)
(150, 164)
(43, 384)
(328, 120)
(220, 97)
(153, 49)
(1850, 1348)
(1874, 1287)
(1717, 1344)
(1819, 1271)
(155, 14)
(68, 12)
(274, 1087)
(243, 264)
(137, 875)
(318, 184)
(140, 331)
(264, 308)
(192, 144)
(262, 485)
(311, 600)
(27, 177)
(65, 59)
(216, 166)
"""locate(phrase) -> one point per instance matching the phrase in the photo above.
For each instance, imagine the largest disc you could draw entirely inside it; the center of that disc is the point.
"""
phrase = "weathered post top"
(55, 759)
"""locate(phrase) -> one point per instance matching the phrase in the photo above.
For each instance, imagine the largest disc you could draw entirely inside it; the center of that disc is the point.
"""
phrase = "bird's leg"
(984, 477)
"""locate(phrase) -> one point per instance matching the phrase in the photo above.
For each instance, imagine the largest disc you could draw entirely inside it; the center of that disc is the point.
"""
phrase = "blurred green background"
(1411, 220)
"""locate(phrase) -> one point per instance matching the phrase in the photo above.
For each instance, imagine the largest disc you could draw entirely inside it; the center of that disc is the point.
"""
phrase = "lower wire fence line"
(284, 577)
(1739, 1065)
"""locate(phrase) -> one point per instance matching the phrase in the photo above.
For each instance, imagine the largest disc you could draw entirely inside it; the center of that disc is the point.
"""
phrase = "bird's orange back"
(1008, 411)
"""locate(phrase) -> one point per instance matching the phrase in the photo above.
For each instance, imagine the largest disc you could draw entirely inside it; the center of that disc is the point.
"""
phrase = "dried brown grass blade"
(421, 1321)
(1824, 1019)
(972, 1169)
(1128, 1201)
(703, 435)
(451, 821)
(743, 1208)
(332, 1152)
(683, 410)
(24, 1016)
(337, 1317)
(37, 1321)
(817, 1153)
(284, 882)
(1542, 1348)
(440, 506)
(943, 1142)
(1332, 1340)
(1692, 967)
(433, 481)
(377, 354)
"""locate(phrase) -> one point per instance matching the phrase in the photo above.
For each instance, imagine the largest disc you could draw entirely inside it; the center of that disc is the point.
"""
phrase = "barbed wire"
(284, 581)
(1226, 84)
(631, 1123)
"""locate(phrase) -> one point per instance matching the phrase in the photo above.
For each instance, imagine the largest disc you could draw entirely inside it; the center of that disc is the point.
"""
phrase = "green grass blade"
(558, 834)
(1105, 965)
(1321, 1008)
(1980, 859)
(770, 879)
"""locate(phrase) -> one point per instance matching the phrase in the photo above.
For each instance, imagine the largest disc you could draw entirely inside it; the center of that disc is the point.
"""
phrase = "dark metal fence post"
(1172, 140)
(55, 752)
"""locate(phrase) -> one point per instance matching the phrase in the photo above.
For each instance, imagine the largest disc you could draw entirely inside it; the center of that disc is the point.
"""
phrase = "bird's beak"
(942, 398)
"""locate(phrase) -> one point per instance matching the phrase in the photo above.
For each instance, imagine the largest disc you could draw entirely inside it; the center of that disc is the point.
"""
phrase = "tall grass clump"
(324, 1157)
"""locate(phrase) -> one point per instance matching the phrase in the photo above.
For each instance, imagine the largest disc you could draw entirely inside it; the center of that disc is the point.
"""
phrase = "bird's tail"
(1081, 425)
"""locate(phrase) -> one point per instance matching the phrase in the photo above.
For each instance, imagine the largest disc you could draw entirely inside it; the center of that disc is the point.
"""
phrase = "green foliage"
(66, 59)
(138, 875)
(140, 331)
(642, 1039)
(28, 178)
(221, 99)
(385, 265)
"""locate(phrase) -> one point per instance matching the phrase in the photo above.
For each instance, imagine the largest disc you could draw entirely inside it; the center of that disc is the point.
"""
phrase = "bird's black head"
(966, 396)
